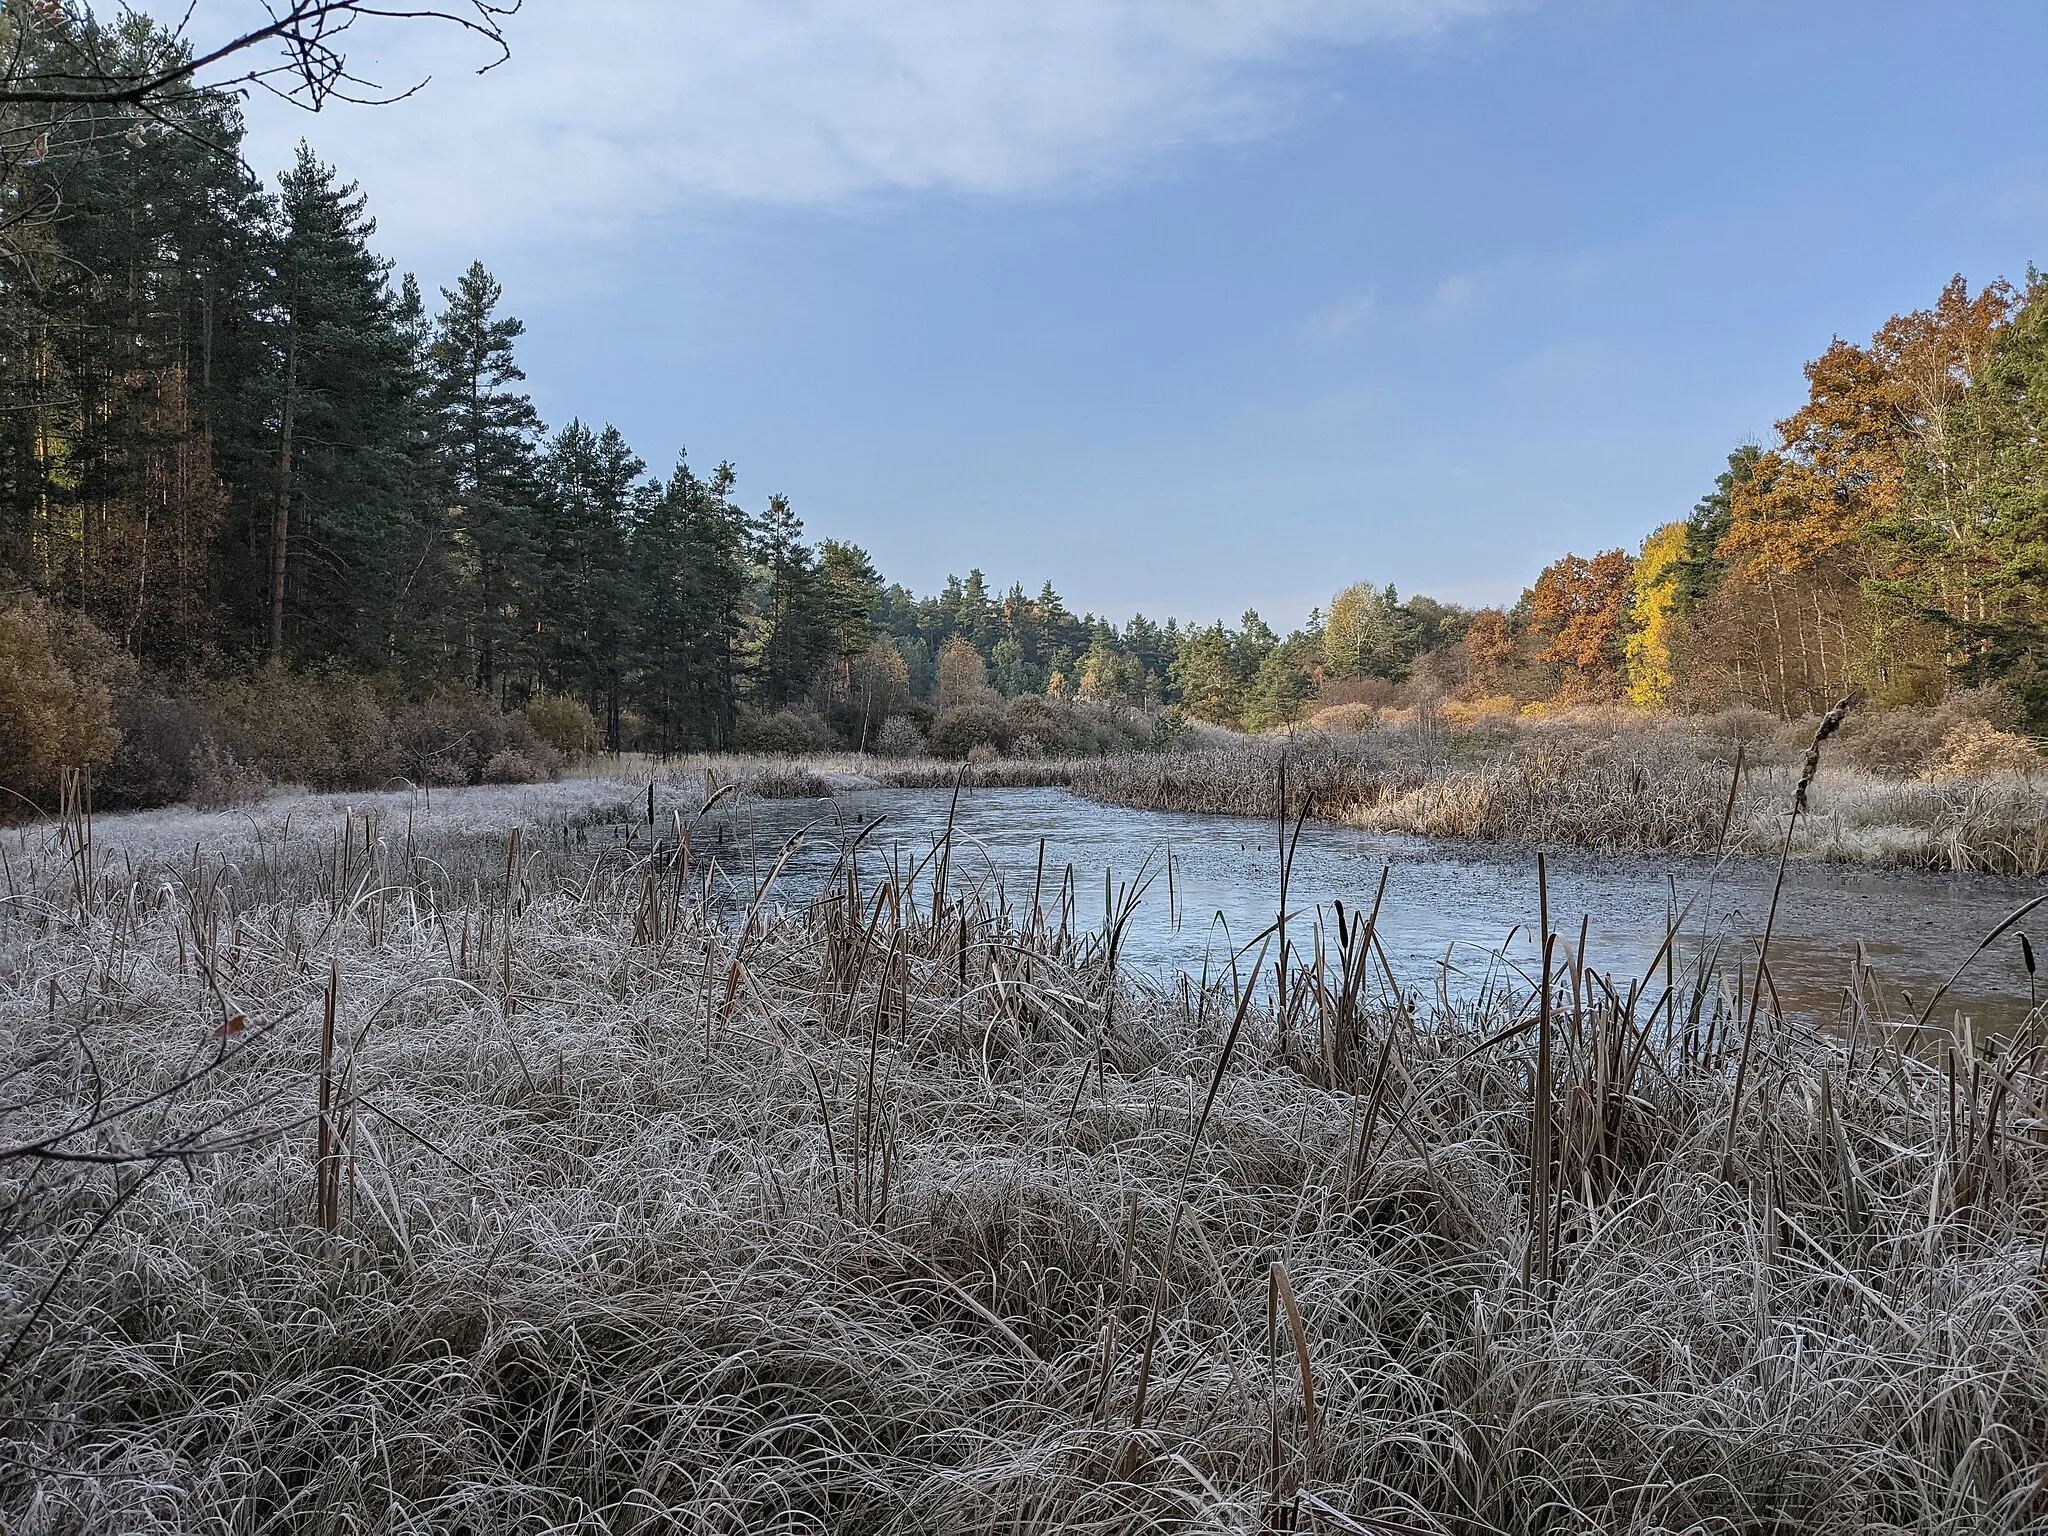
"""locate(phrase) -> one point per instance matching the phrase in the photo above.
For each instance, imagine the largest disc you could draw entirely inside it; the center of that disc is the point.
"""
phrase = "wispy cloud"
(1455, 294)
(1340, 319)
(611, 108)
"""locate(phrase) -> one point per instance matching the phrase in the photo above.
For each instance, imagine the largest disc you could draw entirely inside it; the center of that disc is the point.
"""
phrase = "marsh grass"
(1633, 785)
(520, 1184)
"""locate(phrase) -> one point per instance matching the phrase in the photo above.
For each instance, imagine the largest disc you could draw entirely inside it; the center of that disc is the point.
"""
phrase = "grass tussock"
(484, 1172)
(839, 770)
(1971, 803)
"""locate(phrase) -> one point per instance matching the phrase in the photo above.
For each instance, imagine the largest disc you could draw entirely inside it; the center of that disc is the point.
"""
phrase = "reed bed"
(360, 1181)
(844, 770)
(1642, 788)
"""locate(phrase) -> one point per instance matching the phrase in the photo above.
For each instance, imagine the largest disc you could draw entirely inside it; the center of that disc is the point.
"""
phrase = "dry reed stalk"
(653, 1303)
(327, 1152)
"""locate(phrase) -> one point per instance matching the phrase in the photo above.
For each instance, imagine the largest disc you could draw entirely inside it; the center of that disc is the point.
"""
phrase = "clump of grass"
(1001, 773)
(880, 1213)
(786, 781)
(1613, 782)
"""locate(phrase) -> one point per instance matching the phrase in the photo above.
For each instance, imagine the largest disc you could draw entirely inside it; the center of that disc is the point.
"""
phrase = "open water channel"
(1451, 909)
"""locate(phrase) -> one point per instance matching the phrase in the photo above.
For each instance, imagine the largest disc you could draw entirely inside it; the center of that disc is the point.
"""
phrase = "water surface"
(1449, 906)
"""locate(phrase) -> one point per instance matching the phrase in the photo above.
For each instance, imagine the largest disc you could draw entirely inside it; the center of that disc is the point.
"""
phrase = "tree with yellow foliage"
(1653, 595)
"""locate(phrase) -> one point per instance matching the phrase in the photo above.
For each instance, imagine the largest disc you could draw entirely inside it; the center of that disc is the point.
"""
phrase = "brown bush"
(564, 724)
(956, 732)
(464, 738)
(899, 737)
(1910, 742)
(51, 716)
(1048, 726)
(1977, 749)
(323, 729)
(162, 739)
(1374, 692)
(786, 733)
(220, 780)
(1343, 717)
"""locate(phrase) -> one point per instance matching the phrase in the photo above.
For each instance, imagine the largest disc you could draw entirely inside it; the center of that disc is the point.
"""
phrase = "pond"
(1449, 907)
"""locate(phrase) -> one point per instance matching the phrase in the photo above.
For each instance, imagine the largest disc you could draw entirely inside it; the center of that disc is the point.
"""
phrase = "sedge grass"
(864, 1217)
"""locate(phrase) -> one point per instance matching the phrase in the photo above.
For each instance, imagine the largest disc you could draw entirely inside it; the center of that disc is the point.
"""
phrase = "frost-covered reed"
(1631, 785)
(624, 1215)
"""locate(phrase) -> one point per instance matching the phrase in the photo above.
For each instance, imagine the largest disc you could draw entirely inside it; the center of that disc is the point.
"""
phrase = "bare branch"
(310, 67)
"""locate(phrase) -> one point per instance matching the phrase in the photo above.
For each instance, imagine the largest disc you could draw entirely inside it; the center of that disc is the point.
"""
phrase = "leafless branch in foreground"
(299, 55)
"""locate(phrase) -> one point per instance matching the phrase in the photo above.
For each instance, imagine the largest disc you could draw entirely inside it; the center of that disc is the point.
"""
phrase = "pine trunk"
(281, 518)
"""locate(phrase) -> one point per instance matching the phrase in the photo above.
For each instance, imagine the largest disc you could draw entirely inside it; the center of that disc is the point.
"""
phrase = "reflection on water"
(1447, 904)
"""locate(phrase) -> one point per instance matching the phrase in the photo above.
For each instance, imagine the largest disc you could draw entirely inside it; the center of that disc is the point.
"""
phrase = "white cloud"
(1455, 294)
(611, 108)
(1339, 319)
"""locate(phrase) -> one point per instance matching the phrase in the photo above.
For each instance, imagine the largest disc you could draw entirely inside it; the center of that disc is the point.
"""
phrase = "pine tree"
(425, 645)
(344, 422)
(584, 589)
(688, 553)
(486, 437)
(129, 255)
(794, 630)
(850, 601)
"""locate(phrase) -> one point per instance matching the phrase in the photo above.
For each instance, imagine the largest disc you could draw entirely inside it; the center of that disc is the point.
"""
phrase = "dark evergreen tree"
(850, 600)
(794, 631)
(131, 248)
(584, 590)
(486, 432)
(345, 425)
(1701, 569)
(689, 556)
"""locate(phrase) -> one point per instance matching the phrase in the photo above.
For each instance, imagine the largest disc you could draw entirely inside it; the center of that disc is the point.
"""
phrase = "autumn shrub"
(1751, 729)
(53, 714)
(790, 732)
(1977, 749)
(958, 730)
(1037, 725)
(1374, 693)
(217, 779)
(565, 724)
(1100, 727)
(1909, 742)
(321, 728)
(899, 737)
(1486, 707)
(163, 736)
(1893, 743)
(1343, 717)
(464, 738)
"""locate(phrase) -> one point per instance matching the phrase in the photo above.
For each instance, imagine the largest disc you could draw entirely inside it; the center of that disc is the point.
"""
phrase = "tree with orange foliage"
(1840, 468)
(1579, 608)
(1489, 647)
(1814, 531)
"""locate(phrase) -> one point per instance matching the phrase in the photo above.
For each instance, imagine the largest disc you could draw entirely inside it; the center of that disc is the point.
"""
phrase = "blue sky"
(1191, 305)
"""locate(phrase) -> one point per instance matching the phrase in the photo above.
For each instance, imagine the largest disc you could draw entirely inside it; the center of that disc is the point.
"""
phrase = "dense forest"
(236, 449)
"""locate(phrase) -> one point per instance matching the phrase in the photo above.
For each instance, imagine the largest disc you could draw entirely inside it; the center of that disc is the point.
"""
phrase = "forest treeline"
(237, 449)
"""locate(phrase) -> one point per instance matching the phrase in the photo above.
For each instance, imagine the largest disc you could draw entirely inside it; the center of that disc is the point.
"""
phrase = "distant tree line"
(1891, 543)
(231, 436)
